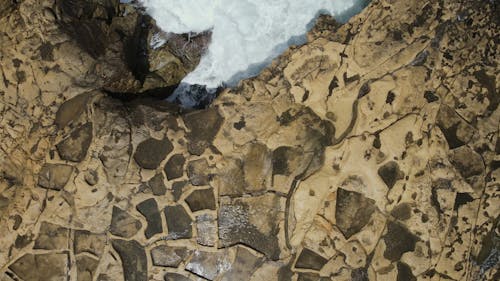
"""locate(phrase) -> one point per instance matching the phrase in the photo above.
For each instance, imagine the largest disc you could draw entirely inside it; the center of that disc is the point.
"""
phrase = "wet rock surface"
(369, 153)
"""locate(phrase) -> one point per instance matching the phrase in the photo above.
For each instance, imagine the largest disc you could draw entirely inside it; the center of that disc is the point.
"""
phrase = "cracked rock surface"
(369, 153)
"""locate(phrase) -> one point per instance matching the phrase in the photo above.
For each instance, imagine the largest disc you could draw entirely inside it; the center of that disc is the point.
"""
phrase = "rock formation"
(369, 153)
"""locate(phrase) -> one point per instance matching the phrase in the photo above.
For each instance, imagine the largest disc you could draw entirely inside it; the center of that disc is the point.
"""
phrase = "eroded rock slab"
(252, 222)
(88, 242)
(151, 152)
(352, 212)
(209, 265)
(206, 226)
(168, 256)
(86, 268)
(174, 168)
(149, 209)
(178, 222)
(123, 224)
(42, 267)
(157, 185)
(52, 237)
(203, 127)
(197, 171)
(244, 265)
(134, 260)
(201, 199)
(175, 277)
(75, 147)
(398, 240)
(310, 260)
(390, 173)
(54, 176)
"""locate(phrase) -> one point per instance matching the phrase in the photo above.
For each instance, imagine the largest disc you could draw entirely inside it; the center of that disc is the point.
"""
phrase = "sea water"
(246, 34)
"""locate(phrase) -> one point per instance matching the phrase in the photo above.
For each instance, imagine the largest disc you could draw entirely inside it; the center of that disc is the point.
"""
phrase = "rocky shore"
(369, 153)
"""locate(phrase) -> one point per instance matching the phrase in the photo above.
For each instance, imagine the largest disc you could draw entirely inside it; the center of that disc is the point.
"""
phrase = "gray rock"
(209, 265)
(52, 237)
(134, 260)
(178, 222)
(123, 224)
(257, 167)
(310, 260)
(175, 277)
(174, 168)
(237, 218)
(390, 173)
(286, 160)
(243, 267)
(166, 256)
(87, 242)
(71, 109)
(75, 147)
(177, 189)
(151, 152)
(149, 209)
(201, 199)
(402, 211)
(157, 186)
(198, 172)
(54, 176)
(86, 268)
(352, 212)
(206, 226)
(42, 267)
(398, 240)
(203, 126)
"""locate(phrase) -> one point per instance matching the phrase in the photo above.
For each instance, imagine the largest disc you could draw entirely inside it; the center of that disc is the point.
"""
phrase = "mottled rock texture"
(369, 153)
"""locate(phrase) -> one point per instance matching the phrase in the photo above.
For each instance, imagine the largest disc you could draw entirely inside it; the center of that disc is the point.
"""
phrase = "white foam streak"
(245, 33)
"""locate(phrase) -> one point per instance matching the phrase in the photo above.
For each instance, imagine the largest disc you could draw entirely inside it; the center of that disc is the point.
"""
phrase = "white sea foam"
(246, 34)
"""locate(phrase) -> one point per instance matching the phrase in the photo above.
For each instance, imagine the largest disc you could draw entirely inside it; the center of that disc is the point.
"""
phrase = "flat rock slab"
(175, 277)
(174, 168)
(134, 260)
(151, 152)
(42, 267)
(209, 265)
(390, 173)
(197, 171)
(149, 209)
(206, 226)
(178, 222)
(310, 260)
(71, 110)
(352, 212)
(157, 185)
(201, 199)
(398, 240)
(75, 147)
(167, 256)
(244, 265)
(54, 176)
(86, 267)
(253, 222)
(203, 126)
(88, 242)
(52, 237)
(123, 224)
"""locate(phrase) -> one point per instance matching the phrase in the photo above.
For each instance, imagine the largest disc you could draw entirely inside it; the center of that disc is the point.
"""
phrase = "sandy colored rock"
(54, 176)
